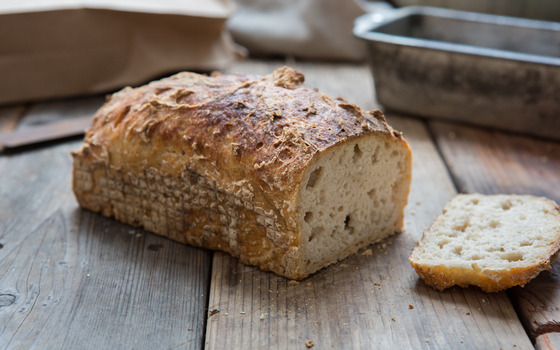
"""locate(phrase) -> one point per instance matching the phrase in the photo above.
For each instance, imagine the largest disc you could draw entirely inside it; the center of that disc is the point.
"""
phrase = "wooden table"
(71, 279)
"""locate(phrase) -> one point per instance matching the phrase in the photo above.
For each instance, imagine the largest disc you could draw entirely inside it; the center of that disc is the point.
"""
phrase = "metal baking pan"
(489, 70)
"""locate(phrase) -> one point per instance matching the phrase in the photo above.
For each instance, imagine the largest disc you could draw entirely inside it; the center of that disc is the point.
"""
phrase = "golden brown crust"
(442, 277)
(245, 140)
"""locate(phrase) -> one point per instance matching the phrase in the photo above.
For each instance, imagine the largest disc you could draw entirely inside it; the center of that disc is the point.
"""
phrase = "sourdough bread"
(264, 168)
(494, 242)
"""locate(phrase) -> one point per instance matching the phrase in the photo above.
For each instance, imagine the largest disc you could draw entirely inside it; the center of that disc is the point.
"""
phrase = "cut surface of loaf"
(491, 241)
(264, 168)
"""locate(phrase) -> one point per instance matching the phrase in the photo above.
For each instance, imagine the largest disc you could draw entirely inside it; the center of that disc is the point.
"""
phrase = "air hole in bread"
(308, 217)
(458, 250)
(259, 146)
(476, 257)
(462, 226)
(526, 244)
(512, 256)
(443, 243)
(357, 153)
(506, 205)
(474, 201)
(371, 193)
(315, 232)
(496, 249)
(314, 177)
(494, 223)
(347, 224)
(341, 208)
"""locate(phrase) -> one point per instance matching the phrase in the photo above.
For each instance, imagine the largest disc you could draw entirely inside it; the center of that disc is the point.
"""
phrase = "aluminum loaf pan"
(489, 70)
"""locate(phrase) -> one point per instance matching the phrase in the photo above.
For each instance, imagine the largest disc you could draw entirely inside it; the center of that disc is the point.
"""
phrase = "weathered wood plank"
(492, 162)
(366, 301)
(47, 112)
(72, 279)
(495, 162)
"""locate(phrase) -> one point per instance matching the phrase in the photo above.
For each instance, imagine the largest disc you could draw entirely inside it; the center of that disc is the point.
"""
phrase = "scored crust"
(218, 161)
(494, 242)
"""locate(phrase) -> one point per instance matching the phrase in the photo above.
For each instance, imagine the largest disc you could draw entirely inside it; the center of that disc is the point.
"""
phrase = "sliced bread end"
(494, 242)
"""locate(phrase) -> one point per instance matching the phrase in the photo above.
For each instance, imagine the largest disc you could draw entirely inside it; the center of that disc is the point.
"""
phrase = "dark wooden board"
(365, 301)
(492, 162)
(71, 279)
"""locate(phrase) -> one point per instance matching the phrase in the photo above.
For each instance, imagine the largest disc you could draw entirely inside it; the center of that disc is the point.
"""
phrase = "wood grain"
(365, 301)
(495, 162)
(72, 279)
(549, 341)
(491, 162)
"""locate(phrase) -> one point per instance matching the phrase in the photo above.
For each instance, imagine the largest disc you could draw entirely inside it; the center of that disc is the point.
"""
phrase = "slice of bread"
(494, 242)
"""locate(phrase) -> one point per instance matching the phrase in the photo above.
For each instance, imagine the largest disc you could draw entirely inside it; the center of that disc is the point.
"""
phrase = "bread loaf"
(264, 168)
(494, 242)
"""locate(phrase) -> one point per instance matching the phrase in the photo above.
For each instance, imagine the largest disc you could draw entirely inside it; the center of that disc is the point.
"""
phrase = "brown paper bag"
(70, 47)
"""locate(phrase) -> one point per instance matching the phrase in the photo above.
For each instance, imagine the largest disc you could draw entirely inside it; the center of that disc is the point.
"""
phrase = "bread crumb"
(309, 343)
(213, 312)
(377, 284)
(308, 284)
(410, 306)
(293, 283)
(262, 316)
(243, 312)
(367, 252)
(394, 319)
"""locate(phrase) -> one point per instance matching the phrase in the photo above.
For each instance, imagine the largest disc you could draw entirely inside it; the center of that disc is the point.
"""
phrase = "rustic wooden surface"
(72, 279)
(492, 162)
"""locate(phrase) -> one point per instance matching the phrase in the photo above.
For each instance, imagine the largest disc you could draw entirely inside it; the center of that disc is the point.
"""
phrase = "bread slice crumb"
(491, 241)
